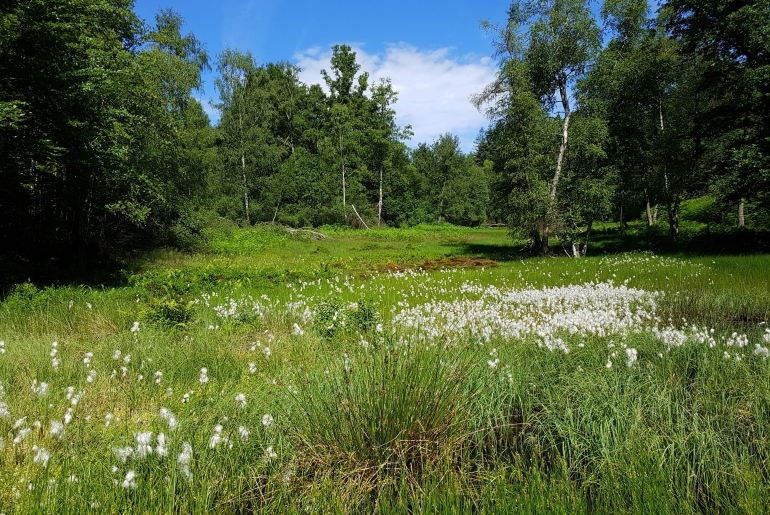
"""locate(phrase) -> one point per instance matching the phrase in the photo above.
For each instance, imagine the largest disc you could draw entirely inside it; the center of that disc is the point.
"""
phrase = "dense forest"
(104, 149)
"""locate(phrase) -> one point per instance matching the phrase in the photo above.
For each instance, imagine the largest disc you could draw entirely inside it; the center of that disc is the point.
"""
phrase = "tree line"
(666, 108)
(104, 148)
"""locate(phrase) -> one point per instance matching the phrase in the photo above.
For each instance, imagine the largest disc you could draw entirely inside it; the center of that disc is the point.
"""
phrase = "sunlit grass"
(319, 397)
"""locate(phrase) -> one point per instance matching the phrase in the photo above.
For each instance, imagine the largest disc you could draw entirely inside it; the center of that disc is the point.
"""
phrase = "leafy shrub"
(24, 292)
(168, 312)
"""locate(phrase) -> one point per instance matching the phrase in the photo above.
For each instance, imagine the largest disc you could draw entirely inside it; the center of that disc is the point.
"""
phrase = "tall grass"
(369, 418)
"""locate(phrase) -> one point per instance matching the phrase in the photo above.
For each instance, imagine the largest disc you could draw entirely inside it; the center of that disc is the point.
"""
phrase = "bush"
(168, 312)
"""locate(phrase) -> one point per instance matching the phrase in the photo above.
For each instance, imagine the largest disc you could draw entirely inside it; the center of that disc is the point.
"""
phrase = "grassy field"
(423, 370)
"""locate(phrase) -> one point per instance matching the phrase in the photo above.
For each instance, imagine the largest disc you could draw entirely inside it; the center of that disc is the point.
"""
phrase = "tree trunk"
(379, 204)
(584, 249)
(564, 137)
(741, 220)
(650, 221)
(559, 160)
(655, 214)
(245, 190)
(672, 207)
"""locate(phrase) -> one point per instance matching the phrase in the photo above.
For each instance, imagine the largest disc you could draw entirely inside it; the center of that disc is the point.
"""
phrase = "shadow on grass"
(610, 240)
(15, 269)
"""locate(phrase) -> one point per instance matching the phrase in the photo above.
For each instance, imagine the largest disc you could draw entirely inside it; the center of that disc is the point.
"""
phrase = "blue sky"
(434, 51)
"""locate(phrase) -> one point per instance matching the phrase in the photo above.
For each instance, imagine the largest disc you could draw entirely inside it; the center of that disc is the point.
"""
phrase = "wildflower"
(68, 416)
(267, 420)
(130, 480)
(493, 363)
(21, 435)
(158, 377)
(161, 449)
(5, 413)
(216, 437)
(143, 447)
(2, 346)
(116, 354)
(764, 352)
(631, 357)
(41, 456)
(108, 419)
(135, 328)
(244, 433)
(41, 390)
(123, 453)
(267, 352)
(346, 361)
(297, 330)
(91, 376)
(170, 418)
(270, 453)
(241, 400)
(203, 377)
(87, 359)
(252, 368)
(183, 460)
(56, 429)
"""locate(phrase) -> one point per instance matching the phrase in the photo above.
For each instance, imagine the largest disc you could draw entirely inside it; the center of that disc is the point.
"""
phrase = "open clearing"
(423, 370)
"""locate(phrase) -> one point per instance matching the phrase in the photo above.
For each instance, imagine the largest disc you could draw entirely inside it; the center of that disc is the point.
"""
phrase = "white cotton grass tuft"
(267, 420)
(130, 480)
(161, 449)
(241, 400)
(183, 461)
(203, 375)
(143, 444)
(170, 418)
(631, 357)
(41, 456)
(270, 453)
(761, 351)
(56, 429)
(216, 437)
(40, 389)
(244, 433)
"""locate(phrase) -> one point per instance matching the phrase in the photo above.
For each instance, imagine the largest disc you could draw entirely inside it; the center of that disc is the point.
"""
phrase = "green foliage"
(387, 414)
(334, 318)
(168, 312)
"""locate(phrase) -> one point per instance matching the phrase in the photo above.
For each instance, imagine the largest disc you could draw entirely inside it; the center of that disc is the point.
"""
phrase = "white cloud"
(433, 87)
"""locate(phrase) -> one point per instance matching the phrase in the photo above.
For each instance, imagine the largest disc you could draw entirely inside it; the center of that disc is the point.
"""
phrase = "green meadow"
(434, 369)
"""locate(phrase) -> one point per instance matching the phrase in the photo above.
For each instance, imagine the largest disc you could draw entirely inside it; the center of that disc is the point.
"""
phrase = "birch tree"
(546, 45)
(235, 69)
